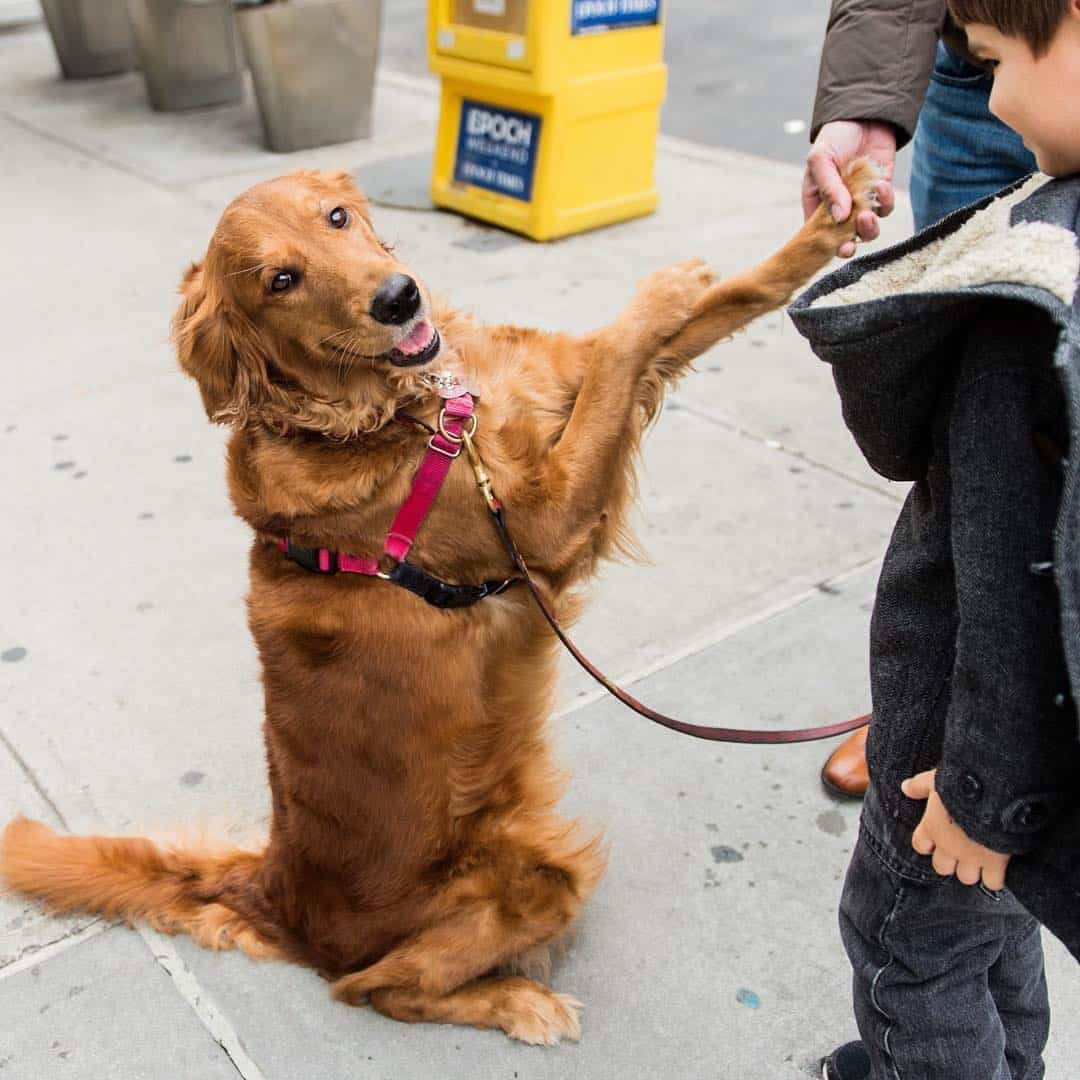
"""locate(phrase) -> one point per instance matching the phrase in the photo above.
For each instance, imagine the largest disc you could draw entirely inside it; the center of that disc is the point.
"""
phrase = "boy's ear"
(219, 348)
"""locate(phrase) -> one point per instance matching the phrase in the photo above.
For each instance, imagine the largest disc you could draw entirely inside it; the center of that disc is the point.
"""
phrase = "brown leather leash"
(697, 731)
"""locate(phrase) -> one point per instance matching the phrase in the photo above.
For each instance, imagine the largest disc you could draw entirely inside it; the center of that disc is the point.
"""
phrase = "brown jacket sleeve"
(876, 62)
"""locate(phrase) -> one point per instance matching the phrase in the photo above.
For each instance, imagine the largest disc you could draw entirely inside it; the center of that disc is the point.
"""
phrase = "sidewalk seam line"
(184, 187)
(423, 85)
(43, 953)
(406, 147)
(162, 950)
(720, 633)
(773, 444)
(203, 1004)
(93, 154)
(31, 776)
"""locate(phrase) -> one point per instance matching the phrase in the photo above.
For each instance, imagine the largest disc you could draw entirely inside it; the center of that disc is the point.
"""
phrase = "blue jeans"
(948, 978)
(962, 152)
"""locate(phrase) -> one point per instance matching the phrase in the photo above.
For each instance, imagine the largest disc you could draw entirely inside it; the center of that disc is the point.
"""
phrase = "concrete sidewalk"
(129, 696)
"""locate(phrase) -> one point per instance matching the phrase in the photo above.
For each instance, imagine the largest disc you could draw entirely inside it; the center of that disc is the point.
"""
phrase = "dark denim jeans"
(948, 978)
(962, 152)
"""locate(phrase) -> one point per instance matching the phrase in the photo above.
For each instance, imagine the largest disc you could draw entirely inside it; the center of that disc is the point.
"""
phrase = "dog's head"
(300, 314)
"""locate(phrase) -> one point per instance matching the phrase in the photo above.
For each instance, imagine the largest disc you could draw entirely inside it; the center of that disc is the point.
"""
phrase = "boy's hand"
(953, 850)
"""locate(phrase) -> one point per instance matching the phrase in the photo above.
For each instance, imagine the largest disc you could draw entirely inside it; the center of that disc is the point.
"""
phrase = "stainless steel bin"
(188, 51)
(91, 37)
(313, 66)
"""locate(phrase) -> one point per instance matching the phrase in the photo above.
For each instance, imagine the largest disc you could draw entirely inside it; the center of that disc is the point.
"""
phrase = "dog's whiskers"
(329, 337)
(345, 353)
(343, 356)
(352, 354)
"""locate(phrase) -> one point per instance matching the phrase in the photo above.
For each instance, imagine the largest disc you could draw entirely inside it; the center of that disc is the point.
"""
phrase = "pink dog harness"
(444, 447)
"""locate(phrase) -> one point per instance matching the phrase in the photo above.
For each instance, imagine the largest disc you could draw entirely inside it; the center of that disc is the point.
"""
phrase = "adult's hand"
(839, 142)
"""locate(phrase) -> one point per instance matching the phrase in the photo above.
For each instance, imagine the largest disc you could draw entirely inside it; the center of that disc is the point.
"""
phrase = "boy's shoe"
(845, 774)
(848, 1062)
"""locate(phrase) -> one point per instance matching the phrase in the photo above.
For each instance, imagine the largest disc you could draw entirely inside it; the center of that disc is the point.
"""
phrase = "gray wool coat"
(957, 359)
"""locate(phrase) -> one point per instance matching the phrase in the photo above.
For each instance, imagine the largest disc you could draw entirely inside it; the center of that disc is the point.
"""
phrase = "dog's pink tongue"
(418, 340)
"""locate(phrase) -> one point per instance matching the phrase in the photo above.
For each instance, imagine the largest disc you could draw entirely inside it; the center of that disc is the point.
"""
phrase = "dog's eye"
(338, 217)
(281, 282)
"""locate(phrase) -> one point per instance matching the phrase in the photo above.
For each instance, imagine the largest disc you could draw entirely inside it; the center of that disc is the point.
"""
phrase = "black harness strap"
(432, 590)
(439, 593)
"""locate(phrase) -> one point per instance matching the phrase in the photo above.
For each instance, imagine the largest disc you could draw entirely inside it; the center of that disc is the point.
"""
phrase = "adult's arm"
(875, 67)
(876, 62)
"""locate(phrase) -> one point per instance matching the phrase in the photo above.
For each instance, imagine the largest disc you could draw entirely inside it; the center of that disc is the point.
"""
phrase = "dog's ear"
(340, 179)
(344, 185)
(329, 179)
(220, 349)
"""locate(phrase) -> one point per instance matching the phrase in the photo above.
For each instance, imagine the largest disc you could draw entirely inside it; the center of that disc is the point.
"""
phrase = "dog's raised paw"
(861, 177)
(666, 298)
(539, 1016)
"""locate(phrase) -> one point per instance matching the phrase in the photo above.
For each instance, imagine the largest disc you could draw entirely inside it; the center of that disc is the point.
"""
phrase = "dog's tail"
(175, 889)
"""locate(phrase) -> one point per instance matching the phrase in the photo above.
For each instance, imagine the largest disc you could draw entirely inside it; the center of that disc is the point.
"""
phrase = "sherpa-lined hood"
(888, 326)
(986, 249)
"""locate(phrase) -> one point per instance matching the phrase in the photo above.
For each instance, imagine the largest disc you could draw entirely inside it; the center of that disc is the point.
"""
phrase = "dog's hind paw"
(539, 1016)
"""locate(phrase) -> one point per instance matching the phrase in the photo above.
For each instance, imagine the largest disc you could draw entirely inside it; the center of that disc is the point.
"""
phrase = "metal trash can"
(91, 37)
(188, 51)
(313, 66)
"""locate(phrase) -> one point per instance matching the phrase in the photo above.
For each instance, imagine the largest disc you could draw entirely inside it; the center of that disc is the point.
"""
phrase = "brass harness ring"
(457, 440)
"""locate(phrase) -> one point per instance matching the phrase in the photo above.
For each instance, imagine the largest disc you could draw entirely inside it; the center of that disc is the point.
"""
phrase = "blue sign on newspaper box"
(497, 149)
(588, 16)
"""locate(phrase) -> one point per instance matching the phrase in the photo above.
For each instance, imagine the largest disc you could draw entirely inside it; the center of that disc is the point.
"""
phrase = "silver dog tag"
(448, 384)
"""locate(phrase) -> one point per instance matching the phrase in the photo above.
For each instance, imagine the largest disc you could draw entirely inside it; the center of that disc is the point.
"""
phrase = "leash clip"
(483, 481)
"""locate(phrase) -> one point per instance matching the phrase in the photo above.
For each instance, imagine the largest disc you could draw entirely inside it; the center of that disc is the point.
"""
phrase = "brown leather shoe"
(845, 774)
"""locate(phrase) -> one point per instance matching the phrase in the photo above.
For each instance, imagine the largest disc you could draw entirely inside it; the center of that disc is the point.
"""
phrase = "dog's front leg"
(584, 484)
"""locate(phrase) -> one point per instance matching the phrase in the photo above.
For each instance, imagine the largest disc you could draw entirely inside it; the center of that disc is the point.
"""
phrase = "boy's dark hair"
(1033, 21)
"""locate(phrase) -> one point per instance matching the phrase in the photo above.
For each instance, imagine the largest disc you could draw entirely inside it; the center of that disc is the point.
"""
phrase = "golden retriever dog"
(415, 855)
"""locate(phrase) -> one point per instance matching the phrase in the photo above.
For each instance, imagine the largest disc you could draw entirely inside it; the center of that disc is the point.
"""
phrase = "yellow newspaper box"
(550, 110)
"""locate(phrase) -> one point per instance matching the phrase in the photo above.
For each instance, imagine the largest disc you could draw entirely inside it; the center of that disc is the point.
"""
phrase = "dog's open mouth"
(420, 345)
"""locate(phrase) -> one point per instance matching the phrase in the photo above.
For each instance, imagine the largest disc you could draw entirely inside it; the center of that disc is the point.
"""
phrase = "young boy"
(957, 360)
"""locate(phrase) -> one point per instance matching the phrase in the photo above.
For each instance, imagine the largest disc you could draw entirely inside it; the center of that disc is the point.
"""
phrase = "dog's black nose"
(396, 300)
